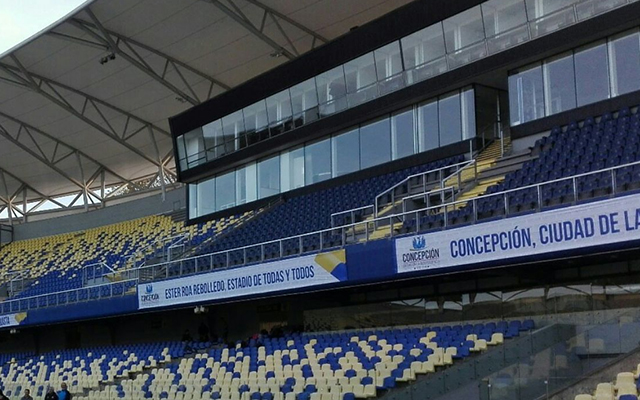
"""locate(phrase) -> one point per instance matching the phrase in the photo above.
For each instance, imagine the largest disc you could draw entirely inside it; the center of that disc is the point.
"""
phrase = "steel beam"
(125, 47)
(258, 31)
(51, 90)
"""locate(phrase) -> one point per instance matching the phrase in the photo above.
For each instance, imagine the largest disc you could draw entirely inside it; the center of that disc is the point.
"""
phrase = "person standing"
(64, 394)
(27, 395)
(51, 394)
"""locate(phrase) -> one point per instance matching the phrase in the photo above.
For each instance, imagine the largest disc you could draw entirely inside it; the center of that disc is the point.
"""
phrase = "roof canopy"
(84, 106)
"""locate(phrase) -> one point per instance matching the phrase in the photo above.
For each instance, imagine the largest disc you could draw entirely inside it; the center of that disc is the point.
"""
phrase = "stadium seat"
(98, 256)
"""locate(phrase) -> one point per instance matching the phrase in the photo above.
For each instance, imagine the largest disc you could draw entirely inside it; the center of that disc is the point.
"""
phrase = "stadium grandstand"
(322, 200)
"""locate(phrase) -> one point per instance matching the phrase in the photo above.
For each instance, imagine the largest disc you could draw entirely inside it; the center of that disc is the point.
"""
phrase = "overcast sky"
(21, 19)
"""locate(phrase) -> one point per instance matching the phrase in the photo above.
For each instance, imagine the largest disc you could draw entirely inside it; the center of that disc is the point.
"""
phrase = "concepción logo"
(149, 297)
(419, 243)
(420, 255)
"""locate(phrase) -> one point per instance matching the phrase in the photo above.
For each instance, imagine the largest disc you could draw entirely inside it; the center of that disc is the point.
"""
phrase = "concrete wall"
(136, 208)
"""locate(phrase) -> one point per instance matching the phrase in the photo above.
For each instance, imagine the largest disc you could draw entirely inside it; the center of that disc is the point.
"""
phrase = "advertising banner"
(598, 223)
(10, 320)
(306, 271)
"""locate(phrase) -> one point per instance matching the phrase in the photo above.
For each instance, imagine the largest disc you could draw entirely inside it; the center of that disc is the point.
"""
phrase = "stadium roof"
(84, 105)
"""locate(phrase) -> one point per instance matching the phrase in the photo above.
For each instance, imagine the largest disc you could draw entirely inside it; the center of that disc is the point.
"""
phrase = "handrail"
(392, 188)
(351, 231)
(459, 167)
(421, 174)
(350, 211)
(7, 305)
(442, 191)
(141, 252)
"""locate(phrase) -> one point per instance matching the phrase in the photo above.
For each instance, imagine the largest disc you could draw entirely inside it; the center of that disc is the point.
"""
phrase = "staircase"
(493, 171)
(470, 182)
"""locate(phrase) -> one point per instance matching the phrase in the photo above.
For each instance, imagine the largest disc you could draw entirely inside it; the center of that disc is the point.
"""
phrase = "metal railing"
(161, 248)
(352, 213)
(93, 274)
(442, 193)
(71, 296)
(16, 282)
(425, 185)
(362, 231)
(325, 239)
(492, 131)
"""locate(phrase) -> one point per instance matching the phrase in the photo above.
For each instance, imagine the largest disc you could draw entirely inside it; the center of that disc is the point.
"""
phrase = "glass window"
(256, 122)
(388, 60)
(193, 201)
(206, 197)
(449, 114)
(463, 29)
(423, 53)
(624, 60)
(468, 108)
(214, 139)
(317, 161)
(549, 15)
(292, 169)
(269, 177)
(589, 8)
(246, 189)
(389, 67)
(428, 126)
(402, 134)
(526, 95)
(332, 91)
(375, 143)
(226, 190)
(541, 8)
(503, 15)
(505, 23)
(592, 78)
(559, 84)
(346, 149)
(360, 75)
(233, 128)
(279, 112)
(304, 99)
(194, 146)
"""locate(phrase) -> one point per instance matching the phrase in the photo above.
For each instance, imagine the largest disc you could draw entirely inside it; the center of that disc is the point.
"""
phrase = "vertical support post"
(539, 190)
(613, 183)
(474, 205)
(506, 204)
